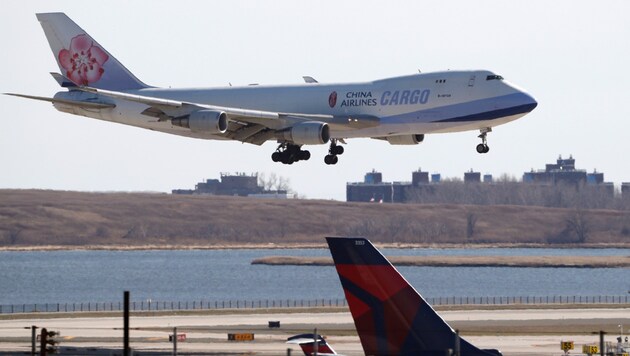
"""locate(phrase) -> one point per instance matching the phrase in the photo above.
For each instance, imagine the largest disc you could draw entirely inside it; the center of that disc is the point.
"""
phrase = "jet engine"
(405, 140)
(307, 133)
(205, 121)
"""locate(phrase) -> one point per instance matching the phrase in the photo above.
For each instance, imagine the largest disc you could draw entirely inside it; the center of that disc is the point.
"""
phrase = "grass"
(63, 219)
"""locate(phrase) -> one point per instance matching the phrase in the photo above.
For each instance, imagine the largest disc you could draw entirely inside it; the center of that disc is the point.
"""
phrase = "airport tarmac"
(514, 332)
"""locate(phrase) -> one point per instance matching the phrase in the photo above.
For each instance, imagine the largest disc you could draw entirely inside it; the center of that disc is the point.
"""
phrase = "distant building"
(472, 177)
(373, 189)
(595, 178)
(242, 184)
(563, 171)
(419, 177)
(373, 177)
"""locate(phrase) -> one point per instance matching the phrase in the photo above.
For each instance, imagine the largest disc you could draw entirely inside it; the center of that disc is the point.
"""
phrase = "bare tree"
(139, 230)
(365, 227)
(577, 224)
(471, 222)
(273, 182)
(397, 227)
(13, 235)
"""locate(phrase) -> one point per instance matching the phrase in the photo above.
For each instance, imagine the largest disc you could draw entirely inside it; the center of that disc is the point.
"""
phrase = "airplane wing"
(246, 125)
(270, 119)
(81, 104)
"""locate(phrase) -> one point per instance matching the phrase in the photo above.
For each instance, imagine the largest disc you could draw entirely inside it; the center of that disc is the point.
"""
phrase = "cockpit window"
(494, 77)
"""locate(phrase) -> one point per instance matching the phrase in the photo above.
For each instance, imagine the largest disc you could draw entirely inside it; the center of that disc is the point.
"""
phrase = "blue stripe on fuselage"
(494, 114)
(483, 109)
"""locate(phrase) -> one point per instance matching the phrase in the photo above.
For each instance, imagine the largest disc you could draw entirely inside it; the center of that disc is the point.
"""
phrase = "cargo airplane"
(399, 110)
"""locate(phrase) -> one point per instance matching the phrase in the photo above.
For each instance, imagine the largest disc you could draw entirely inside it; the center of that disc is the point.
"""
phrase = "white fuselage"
(416, 104)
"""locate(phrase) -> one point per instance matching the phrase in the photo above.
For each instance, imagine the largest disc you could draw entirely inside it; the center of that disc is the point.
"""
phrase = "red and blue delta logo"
(332, 99)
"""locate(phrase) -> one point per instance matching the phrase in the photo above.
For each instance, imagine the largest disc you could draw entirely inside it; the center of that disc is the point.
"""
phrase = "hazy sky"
(572, 56)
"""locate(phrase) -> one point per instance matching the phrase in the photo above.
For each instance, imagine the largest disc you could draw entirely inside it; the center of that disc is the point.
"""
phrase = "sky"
(572, 56)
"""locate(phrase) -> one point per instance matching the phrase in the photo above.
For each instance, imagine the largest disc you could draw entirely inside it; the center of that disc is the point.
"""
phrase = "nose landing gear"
(333, 152)
(483, 146)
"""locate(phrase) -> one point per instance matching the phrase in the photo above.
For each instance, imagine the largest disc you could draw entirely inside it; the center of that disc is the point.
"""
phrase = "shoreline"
(467, 261)
(296, 246)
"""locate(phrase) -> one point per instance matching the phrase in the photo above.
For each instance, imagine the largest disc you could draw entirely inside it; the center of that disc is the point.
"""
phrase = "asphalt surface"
(514, 332)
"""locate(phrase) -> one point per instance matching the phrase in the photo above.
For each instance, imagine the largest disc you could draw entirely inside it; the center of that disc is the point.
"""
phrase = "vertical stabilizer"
(307, 344)
(391, 317)
(81, 58)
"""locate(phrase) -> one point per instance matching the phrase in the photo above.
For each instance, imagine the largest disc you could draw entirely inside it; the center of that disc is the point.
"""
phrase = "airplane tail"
(390, 316)
(307, 343)
(82, 59)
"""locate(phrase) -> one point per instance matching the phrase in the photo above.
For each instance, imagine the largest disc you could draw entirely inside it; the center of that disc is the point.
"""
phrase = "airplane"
(310, 342)
(390, 316)
(399, 110)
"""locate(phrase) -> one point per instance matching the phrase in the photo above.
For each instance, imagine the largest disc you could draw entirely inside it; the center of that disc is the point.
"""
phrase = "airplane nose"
(529, 102)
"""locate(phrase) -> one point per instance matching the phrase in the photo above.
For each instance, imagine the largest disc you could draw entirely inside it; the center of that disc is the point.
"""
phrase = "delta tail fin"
(307, 343)
(390, 316)
(82, 59)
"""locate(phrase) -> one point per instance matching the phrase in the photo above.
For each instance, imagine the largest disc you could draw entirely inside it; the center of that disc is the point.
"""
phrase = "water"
(102, 276)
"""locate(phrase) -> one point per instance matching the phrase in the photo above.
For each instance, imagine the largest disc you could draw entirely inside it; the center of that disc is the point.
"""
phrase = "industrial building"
(244, 185)
(564, 172)
(561, 173)
(373, 189)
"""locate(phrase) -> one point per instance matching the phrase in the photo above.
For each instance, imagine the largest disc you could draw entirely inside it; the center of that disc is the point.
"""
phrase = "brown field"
(61, 219)
(467, 261)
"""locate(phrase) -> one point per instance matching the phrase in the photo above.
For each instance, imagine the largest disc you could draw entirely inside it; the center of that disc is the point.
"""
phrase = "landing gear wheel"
(483, 146)
(333, 151)
(288, 153)
(337, 150)
(331, 159)
(305, 155)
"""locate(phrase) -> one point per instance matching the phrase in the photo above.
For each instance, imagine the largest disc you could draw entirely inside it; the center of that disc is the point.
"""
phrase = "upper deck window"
(494, 77)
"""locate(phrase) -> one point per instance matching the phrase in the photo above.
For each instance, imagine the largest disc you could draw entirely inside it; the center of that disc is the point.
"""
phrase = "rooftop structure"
(240, 184)
(562, 172)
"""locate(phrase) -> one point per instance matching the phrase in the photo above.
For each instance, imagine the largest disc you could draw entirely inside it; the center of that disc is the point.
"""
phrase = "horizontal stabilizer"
(80, 104)
(63, 81)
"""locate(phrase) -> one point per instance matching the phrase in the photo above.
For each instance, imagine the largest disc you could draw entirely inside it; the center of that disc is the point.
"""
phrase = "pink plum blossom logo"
(332, 99)
(84, 61)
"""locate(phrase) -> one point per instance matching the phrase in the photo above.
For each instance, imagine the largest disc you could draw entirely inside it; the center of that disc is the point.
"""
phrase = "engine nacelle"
(307, 133)
(205, 121)
(405, 139)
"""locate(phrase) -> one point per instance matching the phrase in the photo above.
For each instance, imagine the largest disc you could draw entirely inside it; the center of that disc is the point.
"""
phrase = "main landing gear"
(483, 146)
(333, 152)
(289, 153)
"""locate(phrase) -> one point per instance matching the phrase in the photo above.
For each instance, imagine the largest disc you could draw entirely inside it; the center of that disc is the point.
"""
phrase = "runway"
(514, 332)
